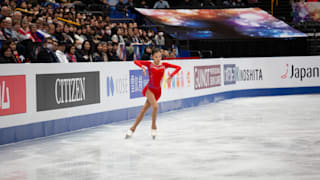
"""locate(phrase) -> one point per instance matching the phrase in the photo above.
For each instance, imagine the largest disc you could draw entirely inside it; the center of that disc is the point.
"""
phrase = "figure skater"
(153, 89)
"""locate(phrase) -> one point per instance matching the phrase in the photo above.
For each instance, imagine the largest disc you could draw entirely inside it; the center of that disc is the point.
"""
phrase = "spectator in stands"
(84, 33)
(107, 35)
(78, 34)
(12, 5)
(145, 38)
(52, 30)
(165, 53)
(136, 37)
(161, 4)
(104, 51)
(112, 51)
(2, 26)
(6, 55)
(39, 23)
(5, 11)
(99, 55)
(118, 38)
(150, 34)
(172, 55)
(13, 46)
(33, 33)
(46, 54)
(100, 29)
(71, 53)
(16, 33)
(174, 52)
(92, 35)
(147, 53)
(159, 39)
(17, 17)
(8, 28)
(62, 57)
(58, 32)
(24, 27)
(23, 5)
(129, 39)
(44, 31)
(55, 45)
(86, 54)
(67, 35)
(78, 44)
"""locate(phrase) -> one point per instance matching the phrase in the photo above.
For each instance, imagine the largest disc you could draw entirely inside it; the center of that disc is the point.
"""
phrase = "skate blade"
(127, 136)
(154, 137)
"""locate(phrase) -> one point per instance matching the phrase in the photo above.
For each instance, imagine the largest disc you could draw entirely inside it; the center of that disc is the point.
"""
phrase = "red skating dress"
(155, 75)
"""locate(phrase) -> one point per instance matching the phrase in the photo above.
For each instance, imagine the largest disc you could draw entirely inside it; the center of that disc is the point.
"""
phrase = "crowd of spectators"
(39, 31)
(57, 32)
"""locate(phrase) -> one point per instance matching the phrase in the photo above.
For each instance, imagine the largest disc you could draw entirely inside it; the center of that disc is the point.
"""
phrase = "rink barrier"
(222, 90)
(48, 128)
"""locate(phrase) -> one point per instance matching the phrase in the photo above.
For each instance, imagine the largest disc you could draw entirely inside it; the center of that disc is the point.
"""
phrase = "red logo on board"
(12, 94)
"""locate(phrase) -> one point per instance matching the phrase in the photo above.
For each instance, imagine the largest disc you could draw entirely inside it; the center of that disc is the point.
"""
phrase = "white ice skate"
(129, 134)
(153, 133)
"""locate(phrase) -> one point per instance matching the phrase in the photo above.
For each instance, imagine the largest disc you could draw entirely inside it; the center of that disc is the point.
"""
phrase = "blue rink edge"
(52, 127)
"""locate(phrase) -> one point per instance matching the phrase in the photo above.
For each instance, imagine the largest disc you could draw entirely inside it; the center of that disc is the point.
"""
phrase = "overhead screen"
(220, 23)
(306, 11)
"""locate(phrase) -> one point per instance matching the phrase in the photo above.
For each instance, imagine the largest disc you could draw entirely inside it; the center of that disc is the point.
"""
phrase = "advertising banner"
(137, 82)
(207, 76)
(12, 94)
(297, 72)
(55, 91)
(233, 74)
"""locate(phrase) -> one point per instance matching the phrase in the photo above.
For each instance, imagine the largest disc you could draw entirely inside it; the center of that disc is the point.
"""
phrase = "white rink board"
(272, 69)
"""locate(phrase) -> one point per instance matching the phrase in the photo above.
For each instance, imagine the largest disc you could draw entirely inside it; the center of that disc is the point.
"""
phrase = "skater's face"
(156, 58)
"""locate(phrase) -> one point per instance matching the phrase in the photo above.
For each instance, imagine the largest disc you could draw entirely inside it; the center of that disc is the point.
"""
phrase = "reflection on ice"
(249, 138)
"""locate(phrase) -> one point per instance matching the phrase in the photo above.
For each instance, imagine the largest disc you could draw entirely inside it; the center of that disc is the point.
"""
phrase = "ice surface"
(249, 138)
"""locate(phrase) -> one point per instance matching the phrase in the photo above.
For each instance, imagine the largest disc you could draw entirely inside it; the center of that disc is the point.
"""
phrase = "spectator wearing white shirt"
(118, 38)
(161, 4)
(62, 57)
(159, 39)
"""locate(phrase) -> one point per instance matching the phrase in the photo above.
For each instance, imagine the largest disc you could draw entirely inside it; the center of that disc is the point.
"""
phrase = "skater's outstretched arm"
(142, 63)
(168, 65)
